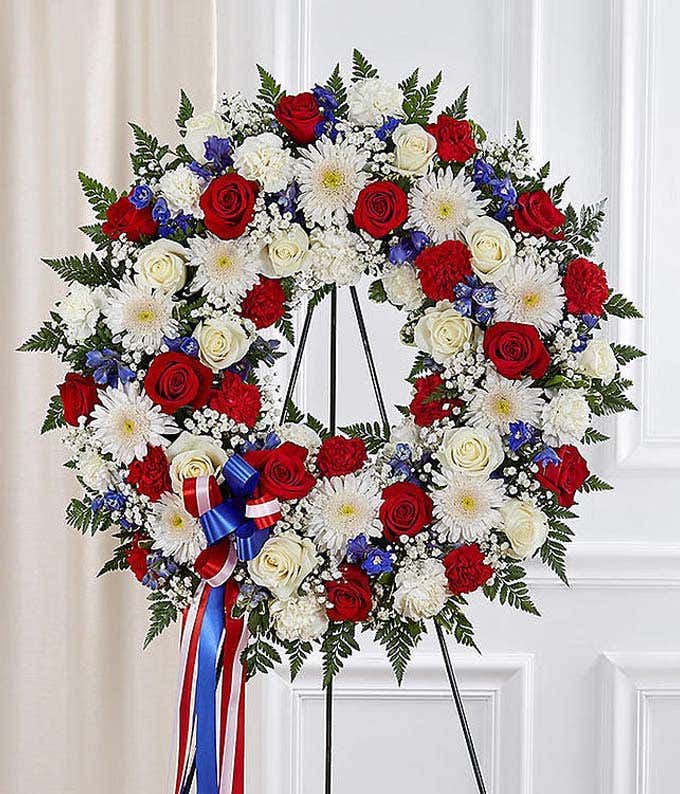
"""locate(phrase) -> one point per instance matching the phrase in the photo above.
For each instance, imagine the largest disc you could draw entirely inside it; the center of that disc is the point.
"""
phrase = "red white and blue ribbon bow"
(211, 704)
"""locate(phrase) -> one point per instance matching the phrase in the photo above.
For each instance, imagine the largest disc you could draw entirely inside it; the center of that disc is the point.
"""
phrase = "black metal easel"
(448, 664)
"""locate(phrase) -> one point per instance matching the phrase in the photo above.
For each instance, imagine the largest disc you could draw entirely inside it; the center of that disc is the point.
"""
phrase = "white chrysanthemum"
(126, 422)
(421, 589)
(303, 618)
(402, 287)
(530, 294)
(502, 401)
(443, 205)
(566, 417)
(342, 508)
(141, 314)
(466, 508)
(96, 471)
(371, 99)
(176, 532)
(80, 311)
(333, 257)
(330, 177)
(263, 159)
(225, 268)
(182, 190)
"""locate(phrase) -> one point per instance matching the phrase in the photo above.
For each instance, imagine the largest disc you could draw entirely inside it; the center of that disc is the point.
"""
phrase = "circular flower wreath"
(170, 331)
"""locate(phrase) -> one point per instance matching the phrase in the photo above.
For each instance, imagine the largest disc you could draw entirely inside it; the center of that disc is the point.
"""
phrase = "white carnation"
(182, 190)
(302, 618)
(96, 472)
(80, 310)
(371, 99)
(263, 159)
(333, 258)
(421, 590)
(402, 287)
(567, 416)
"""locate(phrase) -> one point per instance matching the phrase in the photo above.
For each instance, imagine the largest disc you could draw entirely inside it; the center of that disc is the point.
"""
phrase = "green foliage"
(285, 326)
(452, 619)
(45, 340)
(336, 86)
(259, 656)
(185, 112)
(318, 426)
(376, 292)
(293, 413)
(297, 652)
(117, 563)
(270, 91)
(163, 613)
(583, 230)
(371, 434)
(609, 398)
(553, 552)
(55, 415)
(361, 68)
(509, 587)
(99, 196)
(621, 307)
(459, 108)
(420, 365)
(146, 159)
(319, 295)
(593, 436)
(626, 353)
(338, 644)
(182, 313)
(419, 103)
(87, 270)
(95, 233)
(80, 516)
(409, 85)
(594, 483)
(399, 637)
(557, 191)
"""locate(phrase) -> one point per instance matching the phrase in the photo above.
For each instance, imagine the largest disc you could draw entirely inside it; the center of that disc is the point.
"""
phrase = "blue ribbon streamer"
(206, 687)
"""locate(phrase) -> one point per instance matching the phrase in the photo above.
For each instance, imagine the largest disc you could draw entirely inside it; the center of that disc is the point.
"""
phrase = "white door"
(586, 699)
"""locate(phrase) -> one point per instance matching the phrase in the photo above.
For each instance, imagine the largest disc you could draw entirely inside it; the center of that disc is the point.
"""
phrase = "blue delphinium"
(503, 189)
(408, 248)
(110, 500)
(521, 433)
(475, 299)
(377, 561)
(357, 549)
(160, 211)
(287, 199)
(182, 344)
(141, 196)
(158, 569)
(482, 172)
(387, 128)
(218, 156)
(108, 368)
(401, 461)
(328, 104)
(547, 456)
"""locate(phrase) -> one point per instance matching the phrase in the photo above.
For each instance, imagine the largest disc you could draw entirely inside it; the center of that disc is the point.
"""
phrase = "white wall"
(588, 698)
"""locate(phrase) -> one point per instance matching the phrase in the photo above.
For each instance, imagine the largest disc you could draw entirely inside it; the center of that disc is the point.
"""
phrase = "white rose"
(402, 287)
(199, 129)
(302, 618)
(96, 472)
(285, 255)
(421, 590)
(371, 99)
(442, 332)
(182, 190)
(525, 526)
(162, 265)
(470, 450)
(80, 310)
(300, 434)
(491, 246)
(283, 563)
(262, 158)
(598, 361)
(221, 342)
(193, 456)
(414, 149)
(567, 416)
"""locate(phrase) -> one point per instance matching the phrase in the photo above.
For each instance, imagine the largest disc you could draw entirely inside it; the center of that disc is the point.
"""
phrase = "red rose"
(136, 558)
(441, 267)
(151, 474)
(263, 303)
(350, 595)
(537, 215)
(299, 114)
(405, 510)
(240, 401)
(380, 208)
(228, 205)
(466, 569)
(566, 477)
(175, 380)
(426, 410)
(516, 350)
(454, 139)
(79, 396)
(586, 288)
(122, 217)
(339, 455)
(282, 470)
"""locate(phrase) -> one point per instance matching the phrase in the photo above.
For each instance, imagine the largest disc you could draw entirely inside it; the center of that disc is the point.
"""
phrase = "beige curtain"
(82, 709)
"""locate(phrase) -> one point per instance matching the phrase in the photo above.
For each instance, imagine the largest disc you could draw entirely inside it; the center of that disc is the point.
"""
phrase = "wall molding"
(631, 683)
(650, 566)
(503, 682)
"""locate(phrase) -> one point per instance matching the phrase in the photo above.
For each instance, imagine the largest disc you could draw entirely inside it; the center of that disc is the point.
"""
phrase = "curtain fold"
(82, 708)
